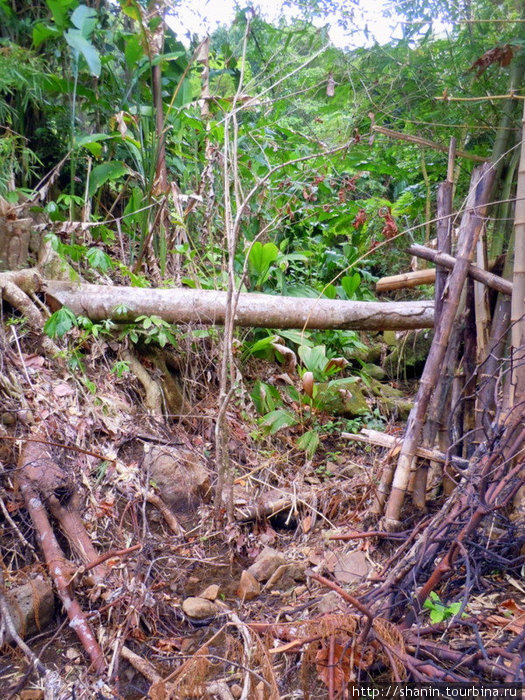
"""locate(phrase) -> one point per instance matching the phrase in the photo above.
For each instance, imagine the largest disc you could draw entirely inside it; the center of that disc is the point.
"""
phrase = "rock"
(32, 606)
(368, 353)
(249, 588)
(352, 567)
(342, 397)
(268, 561)
(211, 592)
(398, 409)
(199, 608)
(286, 576)
(374, 371)
(182, 479)
(408, 357)
(390, 338)
(390, 401)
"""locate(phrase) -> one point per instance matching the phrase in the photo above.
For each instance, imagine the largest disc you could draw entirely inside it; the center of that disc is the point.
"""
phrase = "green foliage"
(120, 368)
(260, 259)
(149, 329)
(105, 172)
(60, 323)
(438, 610)
(309, 442)
(315, 360)
(278, 419)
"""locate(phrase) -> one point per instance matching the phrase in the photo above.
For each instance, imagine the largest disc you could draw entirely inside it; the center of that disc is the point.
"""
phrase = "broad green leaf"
(99, 259)
(297, 337)
(309, 442)
(59, 323)
(85, 20)
(92, 143)
(314, 359)
(279, 419)
(110, 170)
(59, 10)
(42, 32)
(131, 8)
(262, 256)
(350, 284)
(165, 57)
(330, 291)
(262, 344)
(133, 51)
(81, 45)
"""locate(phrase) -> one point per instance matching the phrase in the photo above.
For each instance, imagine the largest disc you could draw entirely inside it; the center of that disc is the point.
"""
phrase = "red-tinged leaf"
(390, 228)
(499, 54)
(360, 219)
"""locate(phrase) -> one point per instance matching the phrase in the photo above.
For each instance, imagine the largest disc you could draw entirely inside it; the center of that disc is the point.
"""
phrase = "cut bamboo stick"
(407, 279)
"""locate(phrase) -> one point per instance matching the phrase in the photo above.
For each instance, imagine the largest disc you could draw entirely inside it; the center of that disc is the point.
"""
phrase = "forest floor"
(187, 605)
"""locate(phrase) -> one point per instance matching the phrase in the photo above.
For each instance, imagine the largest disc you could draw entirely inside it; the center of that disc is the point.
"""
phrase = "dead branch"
(31, 462)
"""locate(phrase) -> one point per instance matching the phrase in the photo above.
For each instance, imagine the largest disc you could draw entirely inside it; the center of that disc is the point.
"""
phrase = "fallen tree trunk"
(125, 304)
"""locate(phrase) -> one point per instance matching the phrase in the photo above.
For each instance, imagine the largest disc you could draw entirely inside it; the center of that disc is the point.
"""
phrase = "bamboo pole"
(471, 224)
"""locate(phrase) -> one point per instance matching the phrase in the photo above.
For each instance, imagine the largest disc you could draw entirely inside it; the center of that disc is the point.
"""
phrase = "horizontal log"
(125, 304)
(407, 279)
(491, 280)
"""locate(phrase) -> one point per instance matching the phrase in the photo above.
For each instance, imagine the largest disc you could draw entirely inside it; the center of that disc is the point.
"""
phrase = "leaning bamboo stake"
(426, 143)
(472, 221)
(444, 246)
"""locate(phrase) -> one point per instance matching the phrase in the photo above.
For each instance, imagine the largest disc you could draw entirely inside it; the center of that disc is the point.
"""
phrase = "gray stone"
(268, 561)
(342, 397)
(352, 567)
(199, 608)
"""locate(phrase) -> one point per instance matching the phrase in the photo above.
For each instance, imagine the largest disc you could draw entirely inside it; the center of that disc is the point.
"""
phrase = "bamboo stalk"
(471, 225)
